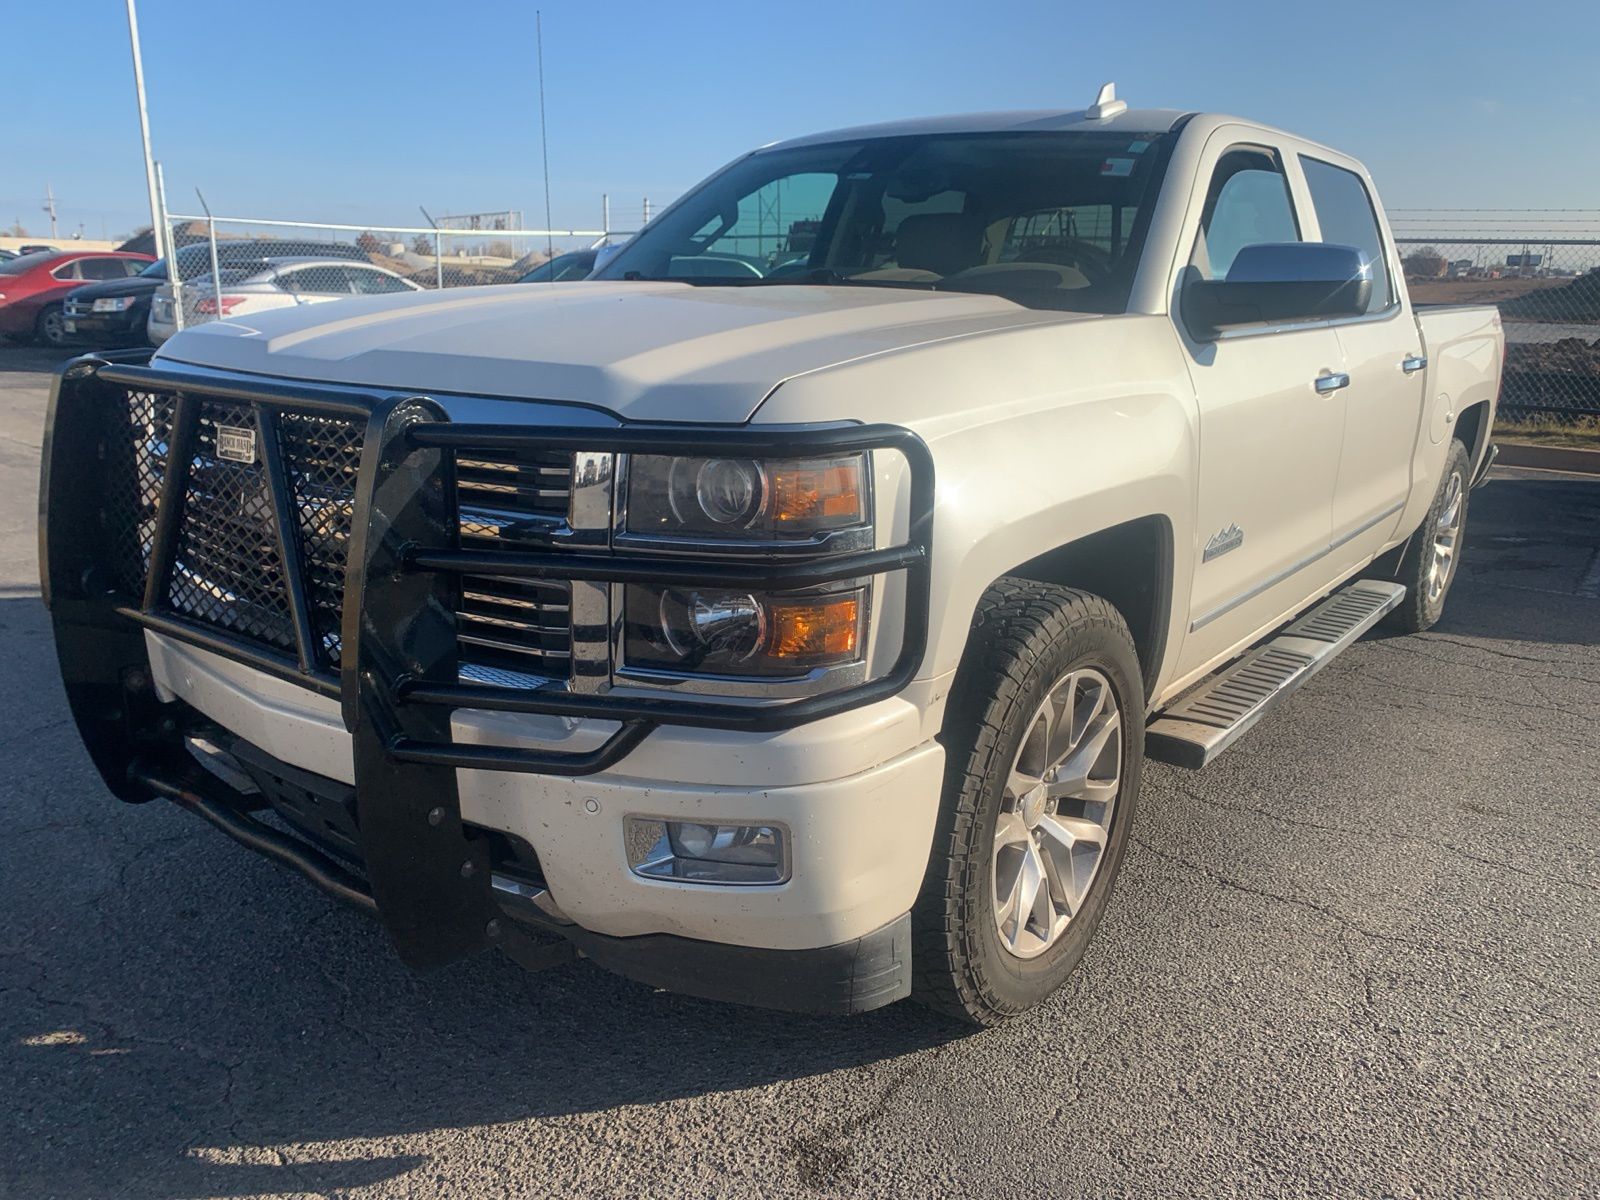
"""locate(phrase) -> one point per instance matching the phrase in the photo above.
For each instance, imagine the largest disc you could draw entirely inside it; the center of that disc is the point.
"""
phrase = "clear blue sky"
(360, 110)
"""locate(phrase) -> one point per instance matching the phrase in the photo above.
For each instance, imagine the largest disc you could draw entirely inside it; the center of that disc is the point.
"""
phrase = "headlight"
(711, 498)
(112, 304)
(731, 633)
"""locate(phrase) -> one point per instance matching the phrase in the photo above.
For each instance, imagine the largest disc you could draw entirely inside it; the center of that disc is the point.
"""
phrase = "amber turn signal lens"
(824, 629)
(824, 494)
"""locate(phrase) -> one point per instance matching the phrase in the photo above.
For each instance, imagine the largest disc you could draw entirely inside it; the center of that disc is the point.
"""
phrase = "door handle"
(1331, 382)
(1412, 363)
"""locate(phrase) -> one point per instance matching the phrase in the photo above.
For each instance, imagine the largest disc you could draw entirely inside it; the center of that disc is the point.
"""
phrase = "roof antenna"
(1106, 105)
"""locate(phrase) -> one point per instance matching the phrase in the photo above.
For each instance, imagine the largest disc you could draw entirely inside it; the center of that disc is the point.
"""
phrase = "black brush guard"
(398, 677)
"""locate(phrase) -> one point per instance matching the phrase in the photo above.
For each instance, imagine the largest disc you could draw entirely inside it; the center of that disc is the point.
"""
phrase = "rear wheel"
(1044, 741)
(1428, 566)
(50, 329)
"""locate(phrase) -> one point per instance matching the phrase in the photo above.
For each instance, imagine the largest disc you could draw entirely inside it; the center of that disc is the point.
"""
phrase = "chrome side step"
(1210, 717)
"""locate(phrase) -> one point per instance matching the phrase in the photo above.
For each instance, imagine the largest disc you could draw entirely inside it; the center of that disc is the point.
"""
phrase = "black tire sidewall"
(1419, 612)
(1018, 983)
(39, 327)
(1004, 694)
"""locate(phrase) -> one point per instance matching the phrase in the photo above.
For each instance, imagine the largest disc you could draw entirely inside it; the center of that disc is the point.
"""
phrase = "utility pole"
(544, 135)
(158, 216)
(50, 207)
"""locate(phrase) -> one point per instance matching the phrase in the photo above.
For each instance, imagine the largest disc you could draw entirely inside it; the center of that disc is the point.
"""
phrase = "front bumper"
(118, 326)
(857, 792)
(436, 761)
(852, 974)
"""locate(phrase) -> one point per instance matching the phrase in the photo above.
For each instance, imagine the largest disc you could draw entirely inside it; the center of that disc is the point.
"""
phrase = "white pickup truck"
(785, 614)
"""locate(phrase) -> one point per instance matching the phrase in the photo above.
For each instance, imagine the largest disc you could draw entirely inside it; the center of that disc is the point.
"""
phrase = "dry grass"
(1583, 432)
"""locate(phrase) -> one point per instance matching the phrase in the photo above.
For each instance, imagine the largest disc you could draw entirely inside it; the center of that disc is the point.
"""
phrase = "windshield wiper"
(827, 275)
(816, 277)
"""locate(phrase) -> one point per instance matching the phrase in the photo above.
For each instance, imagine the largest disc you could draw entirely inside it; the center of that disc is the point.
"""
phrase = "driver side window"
(1248, 204)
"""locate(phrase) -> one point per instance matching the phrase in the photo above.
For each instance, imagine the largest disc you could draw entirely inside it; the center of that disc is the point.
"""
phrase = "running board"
(1209, 718)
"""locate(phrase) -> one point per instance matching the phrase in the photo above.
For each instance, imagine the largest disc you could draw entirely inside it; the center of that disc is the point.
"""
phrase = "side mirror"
(1279, 282)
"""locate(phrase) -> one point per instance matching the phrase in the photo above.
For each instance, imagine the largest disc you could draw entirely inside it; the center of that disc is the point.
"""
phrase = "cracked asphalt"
(1357, 956)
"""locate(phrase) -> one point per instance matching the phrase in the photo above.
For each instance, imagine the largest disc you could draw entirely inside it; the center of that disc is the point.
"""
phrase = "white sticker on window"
(1117, 167)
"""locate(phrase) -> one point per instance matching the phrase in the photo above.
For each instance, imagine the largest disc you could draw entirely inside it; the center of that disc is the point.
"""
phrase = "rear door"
(1269, 440)
(1385, 364)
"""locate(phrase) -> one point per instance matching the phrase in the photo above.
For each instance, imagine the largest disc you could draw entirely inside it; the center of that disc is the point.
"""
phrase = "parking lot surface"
(1356, 956)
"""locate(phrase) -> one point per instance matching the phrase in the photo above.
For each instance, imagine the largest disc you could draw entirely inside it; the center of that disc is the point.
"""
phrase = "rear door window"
(104, 268)
(368, 282)
(1345, 213)
(316, 281)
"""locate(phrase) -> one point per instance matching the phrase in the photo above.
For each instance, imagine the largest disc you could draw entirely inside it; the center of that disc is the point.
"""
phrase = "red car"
(32, 288)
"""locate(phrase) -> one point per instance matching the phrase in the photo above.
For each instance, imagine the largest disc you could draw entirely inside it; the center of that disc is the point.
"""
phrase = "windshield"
(1050, 220)
(156, 270)
(562, 268)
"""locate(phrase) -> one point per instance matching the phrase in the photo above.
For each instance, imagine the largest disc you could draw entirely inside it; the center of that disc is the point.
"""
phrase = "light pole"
(157, 213)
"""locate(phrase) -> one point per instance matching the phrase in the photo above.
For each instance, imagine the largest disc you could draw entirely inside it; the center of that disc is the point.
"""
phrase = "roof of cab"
(1134, 120)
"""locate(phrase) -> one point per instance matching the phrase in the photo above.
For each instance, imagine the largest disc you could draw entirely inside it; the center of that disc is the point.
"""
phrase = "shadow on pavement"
(173, 1004)
(1534, 535)
(176, 1013)
(33, 359)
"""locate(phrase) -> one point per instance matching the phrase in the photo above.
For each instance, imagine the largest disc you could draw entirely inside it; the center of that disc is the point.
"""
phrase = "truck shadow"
(181, 1018)
(15, 358)
(1530, 565)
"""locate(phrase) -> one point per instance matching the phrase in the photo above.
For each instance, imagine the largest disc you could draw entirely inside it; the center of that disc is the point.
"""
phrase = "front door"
(1269, 438)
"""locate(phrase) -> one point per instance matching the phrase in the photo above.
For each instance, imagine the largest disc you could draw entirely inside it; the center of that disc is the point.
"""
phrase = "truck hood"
(645, 351)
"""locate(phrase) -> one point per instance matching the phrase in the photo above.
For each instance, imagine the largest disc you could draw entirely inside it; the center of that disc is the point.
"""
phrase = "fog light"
(702, 852)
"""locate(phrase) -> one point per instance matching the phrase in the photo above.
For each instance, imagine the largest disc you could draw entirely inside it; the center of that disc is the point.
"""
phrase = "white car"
(272, 283)
(785, 613)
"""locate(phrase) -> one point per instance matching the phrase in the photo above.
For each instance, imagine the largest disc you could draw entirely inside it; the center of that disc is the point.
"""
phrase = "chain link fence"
(1542, 271)
(232, 268)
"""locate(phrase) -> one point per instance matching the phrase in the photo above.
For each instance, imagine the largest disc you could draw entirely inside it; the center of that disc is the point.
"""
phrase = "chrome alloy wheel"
(1446, 533)
(1055, 812)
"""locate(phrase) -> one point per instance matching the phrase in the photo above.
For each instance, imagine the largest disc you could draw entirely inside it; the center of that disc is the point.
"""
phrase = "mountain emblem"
(1230, 538)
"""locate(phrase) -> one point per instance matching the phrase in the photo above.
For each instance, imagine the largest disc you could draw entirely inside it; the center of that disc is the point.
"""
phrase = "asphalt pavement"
(1356, 956)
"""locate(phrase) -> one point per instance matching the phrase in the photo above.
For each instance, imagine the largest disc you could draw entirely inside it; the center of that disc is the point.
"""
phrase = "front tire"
(50, 328)
(1044, 744)
(1432, 556)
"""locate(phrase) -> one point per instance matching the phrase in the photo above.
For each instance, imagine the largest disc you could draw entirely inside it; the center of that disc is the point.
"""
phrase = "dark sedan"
(113, 312)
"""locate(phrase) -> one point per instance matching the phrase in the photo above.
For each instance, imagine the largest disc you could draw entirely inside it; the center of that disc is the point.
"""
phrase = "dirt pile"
(1569, 356)
(1575, 301)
